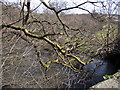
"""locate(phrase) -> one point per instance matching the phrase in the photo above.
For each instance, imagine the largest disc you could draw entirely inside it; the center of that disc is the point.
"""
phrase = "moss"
(102, 35)
(62, 53)
(76, 58)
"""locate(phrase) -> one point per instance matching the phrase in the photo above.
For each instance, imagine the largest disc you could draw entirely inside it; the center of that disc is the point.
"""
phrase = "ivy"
(111, 76)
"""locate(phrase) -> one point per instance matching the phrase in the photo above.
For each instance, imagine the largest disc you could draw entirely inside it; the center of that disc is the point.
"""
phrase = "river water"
(100, 68)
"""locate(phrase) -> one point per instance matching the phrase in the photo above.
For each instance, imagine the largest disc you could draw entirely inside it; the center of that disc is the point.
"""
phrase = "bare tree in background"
(48, 52)
(57, 5)
(110, 28)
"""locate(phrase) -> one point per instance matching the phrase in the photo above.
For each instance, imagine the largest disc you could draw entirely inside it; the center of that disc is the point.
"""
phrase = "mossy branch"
(54, 45)
(37, 21)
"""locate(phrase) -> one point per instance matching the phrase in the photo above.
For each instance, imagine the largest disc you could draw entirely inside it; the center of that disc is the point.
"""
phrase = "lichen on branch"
(57, 47)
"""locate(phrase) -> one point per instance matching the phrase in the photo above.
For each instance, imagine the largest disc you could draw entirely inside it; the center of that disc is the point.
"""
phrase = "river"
(100, 68)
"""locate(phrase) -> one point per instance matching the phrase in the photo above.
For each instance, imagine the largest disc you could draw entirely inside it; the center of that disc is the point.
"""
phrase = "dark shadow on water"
(104, 67)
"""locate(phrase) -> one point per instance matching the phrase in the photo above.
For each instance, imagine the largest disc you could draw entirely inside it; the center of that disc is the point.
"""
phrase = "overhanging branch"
(54, 45)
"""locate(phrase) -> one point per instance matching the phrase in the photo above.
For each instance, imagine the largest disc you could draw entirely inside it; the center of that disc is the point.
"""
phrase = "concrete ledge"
(110, 84)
